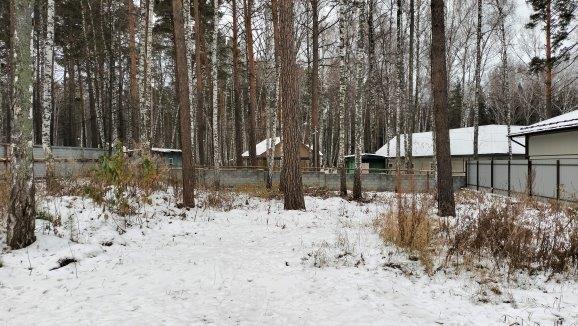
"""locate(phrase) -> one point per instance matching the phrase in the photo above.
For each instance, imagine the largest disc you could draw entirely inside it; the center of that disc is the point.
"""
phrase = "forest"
(105, 71)
(220, 153)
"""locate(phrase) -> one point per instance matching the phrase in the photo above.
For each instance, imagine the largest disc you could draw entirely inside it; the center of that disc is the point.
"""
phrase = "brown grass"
(411, 228)
(221, 200)
(517, 236)
(260, 191)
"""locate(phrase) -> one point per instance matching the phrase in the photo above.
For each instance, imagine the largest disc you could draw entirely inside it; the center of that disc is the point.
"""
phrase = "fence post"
(478, 175)
(529, 185)
(557, 179)
(492, 175)
(509, 176)
(467, 168)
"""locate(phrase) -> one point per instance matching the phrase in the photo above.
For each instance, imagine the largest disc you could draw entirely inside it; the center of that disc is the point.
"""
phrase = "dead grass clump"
(319, 192)
(516, 237)
(260, 191)
(411, 228)
(220, 200)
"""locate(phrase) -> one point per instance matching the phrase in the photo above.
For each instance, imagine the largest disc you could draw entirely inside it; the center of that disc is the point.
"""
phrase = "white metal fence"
(555, 179)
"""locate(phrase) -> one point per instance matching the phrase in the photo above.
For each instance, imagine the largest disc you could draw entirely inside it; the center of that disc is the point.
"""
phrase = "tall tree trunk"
(147, 13)
(183, 101)
(372, 84)
(361, 76)
(400, 86)
(315, 84)
(478, 81)
(505, 85)
(98, 128)
(289, 97)
(411, 108)
(439, 80)
(549, 60)
(133, 130)
(189, 42)
(47, 87)
(343, 25)
(214, 75)
(21, 210)
(252, 76)
(200, 81)
(237, 89)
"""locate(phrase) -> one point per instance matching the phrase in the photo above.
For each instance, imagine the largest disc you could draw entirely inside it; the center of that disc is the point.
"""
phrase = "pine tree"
(556, 16)
(293, 193)
(439, 81)
(188, 171)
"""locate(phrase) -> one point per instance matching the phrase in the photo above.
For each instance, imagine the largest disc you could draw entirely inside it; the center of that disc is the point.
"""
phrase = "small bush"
(118, 179)
(411, 228)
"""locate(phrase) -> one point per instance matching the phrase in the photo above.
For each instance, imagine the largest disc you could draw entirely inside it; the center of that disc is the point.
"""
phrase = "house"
(172, 157)
(492, 144)
(370, 163)
(552, 139)
(305, 153)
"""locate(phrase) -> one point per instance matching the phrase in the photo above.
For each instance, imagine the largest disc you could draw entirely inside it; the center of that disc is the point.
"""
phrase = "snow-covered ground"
(253, 265)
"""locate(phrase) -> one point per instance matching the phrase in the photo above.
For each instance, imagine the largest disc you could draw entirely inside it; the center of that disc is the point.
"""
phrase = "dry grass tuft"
(260, 191)
(220, 200)
(517, 236)
(411, 228)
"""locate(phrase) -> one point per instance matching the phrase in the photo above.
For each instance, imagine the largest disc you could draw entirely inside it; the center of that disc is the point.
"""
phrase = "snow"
(262, 146)
(493, 139)
(252, 265)
(165, 150)
(564, 121)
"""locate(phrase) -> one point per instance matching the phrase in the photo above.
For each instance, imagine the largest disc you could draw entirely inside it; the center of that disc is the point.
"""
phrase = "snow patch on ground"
(255, 264)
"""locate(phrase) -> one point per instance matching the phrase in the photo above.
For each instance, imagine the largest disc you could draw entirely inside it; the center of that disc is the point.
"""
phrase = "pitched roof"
(492, 139)
(262, 146)
(564, 121)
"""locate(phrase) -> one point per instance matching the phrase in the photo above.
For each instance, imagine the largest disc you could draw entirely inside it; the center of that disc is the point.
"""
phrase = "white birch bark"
(214, 75)
(361, 75)
(189, 44)
(343, 17)
(147, 7)
(21, 209)
(47, 81)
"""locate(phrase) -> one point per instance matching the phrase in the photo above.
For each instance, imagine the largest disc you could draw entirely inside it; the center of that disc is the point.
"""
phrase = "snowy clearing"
(253, 265)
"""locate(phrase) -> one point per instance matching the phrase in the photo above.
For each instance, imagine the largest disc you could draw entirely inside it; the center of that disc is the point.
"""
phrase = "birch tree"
(147, 12)
(47, 86)
(21, 210)
(343, 24)
(214, 75)
(189, 43)
(361, 75)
